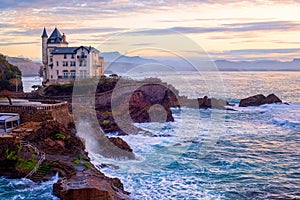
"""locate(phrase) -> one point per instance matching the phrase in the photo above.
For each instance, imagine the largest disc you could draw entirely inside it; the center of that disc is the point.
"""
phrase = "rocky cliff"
(10, 76)
(39, 150)
(121, 102)
(150, 100)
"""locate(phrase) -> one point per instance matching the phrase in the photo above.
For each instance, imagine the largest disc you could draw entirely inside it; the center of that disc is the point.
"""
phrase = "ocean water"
(29, 81)
(17, 189)
(251, 153)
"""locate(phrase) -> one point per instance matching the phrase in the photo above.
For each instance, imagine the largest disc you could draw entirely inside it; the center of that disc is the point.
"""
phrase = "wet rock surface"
(259, 99)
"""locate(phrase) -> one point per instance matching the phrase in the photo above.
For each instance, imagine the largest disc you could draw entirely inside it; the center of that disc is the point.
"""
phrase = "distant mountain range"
(118, 63)
(27, 66)
(259, 65)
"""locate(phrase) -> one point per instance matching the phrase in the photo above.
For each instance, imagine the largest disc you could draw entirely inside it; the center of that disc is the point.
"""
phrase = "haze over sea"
(255, 154)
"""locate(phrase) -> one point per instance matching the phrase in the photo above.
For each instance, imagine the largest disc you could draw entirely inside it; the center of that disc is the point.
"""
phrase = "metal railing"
(72, 185)
(40, 153)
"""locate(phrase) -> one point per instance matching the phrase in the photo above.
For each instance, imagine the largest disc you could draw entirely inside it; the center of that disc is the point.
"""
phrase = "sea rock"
(87, 185)
(259, 99)
(120, 143)
(204, 103)
(152, 103)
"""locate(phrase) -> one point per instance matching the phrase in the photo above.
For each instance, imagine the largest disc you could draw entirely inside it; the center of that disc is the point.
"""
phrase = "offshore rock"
(259, 99)
(120, 143)
(93, 186)
(204, 103)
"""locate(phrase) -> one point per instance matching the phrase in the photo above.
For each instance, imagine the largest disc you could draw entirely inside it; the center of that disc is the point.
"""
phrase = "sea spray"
(87, 125)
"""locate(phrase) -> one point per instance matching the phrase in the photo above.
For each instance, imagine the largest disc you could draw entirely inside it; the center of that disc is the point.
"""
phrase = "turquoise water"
(251, 153)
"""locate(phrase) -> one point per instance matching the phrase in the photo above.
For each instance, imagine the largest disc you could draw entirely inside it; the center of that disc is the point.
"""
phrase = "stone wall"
(40, 113)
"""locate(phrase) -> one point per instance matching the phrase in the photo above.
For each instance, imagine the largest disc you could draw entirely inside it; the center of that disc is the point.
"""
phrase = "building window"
(57, 72)
(72, 56)
(2, 125)
(82, 73)
(65, 56)
(82, 63)
(66, 74)
(8, 125)
(73, 74)
(57, 63)
(65, 63)
(73, 63)
(51, 60)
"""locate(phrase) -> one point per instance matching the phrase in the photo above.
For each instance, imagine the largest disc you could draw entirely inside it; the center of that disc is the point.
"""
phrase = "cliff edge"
(39, 150)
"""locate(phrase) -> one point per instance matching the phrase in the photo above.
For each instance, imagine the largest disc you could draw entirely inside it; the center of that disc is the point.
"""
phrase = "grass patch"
(105, 122)
(76, 161)
(88, 165)
(11, 155)
(59, 136)
(81, 161)
(26, 164)
(106, 112)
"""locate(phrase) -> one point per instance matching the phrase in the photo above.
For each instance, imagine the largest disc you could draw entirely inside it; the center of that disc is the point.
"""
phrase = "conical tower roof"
(55, 34)
(44, 33)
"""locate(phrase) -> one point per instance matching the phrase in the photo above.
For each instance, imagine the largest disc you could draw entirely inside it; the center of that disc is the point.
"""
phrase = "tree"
(7, 94)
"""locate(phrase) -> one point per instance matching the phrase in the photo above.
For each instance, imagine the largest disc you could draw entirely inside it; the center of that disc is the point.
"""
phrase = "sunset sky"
(233, 30)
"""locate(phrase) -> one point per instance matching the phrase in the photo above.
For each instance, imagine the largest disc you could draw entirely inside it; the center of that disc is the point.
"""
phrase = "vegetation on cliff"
(10, 76)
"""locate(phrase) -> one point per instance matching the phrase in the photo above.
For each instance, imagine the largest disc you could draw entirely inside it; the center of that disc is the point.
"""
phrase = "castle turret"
(44, 46)
(44, 53)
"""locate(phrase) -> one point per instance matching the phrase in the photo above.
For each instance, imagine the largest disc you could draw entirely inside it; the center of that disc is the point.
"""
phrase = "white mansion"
(62, 63)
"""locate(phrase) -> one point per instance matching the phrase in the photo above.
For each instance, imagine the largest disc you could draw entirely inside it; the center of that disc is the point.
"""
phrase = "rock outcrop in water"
(259, 99)
(39, 150)
(204, 103)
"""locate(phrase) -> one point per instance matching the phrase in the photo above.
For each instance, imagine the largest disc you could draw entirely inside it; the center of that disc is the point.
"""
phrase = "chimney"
(64, 37)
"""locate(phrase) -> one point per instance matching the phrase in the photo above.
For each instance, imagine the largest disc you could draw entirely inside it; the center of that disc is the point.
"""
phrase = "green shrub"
(88, 165)
(11, 155)
(105, 122)
(59, 136)
(76, 161)
(26, 164)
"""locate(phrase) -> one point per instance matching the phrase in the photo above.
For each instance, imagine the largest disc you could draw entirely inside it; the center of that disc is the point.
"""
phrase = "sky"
(231, 29)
